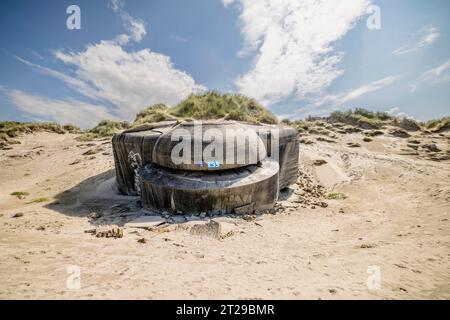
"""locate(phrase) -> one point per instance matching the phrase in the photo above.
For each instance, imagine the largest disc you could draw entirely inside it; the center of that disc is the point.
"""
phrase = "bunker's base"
(242, 190)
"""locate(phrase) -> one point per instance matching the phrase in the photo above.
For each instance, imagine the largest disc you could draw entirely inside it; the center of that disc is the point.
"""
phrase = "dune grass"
(362, 118)
(438, 125)
(20, 194)
(209, 106)
(336, 196)
(39, 200)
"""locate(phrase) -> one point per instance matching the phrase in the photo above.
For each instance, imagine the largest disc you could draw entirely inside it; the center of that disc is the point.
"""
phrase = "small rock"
(40, 228)
(89, 152)
(319, 162)
(367, 246)
(75, 162)
(399, 133)
(142, 240)
(94, 215)
(210, 229)
(324, 204)
(353, 145)
(18, 215)
(366, 139)
(431, 147)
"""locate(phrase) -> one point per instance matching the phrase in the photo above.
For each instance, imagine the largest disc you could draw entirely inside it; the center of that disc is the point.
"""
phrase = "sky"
(296, 57)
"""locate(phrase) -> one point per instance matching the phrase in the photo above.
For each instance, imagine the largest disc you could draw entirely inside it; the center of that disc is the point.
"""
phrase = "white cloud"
(178, 38)
(63, 111)
(294, 43)
(343, 98)
(399, 114)
(424, 38)
(135, 27)
(129, 80)
(434, 75)
(108, 73)
(329, 103)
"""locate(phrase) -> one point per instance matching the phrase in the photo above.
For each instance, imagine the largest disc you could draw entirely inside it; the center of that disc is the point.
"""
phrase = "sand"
(391, 231)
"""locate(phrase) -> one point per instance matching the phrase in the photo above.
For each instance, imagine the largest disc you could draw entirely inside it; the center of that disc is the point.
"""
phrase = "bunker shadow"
(96, 198)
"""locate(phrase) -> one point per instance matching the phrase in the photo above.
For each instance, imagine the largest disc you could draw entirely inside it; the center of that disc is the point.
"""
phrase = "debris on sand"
(109, 231)
(142, 240)
(309, 192)
(18, 215)
(145, 222)
(211, 229)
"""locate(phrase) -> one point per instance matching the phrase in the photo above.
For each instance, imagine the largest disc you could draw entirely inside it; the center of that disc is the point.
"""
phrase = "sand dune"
(386, 223)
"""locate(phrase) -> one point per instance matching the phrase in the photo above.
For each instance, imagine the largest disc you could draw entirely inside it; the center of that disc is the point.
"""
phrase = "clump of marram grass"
(20, 194)
(108, 128)
(105, 128)
(361, 118)
(12, 129)
(336, 196)
(206, 106)
(39, 200)
(213, 105)
(438, 125)
(155, 113)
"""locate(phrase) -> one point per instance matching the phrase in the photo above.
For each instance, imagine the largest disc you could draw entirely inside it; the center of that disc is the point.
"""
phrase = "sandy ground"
(392, 230)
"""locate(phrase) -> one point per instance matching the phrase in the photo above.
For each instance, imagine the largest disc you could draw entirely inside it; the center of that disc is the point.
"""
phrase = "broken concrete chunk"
(145, 222)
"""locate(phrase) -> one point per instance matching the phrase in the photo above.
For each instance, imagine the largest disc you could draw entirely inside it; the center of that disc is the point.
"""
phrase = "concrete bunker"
(213, 167)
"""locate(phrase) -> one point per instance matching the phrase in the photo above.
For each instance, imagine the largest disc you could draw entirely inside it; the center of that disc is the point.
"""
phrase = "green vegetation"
(213, 105)
(438, 125)
(155, 113)
(362, 118)
(13, 128)
(208, 106)
(107, 128)
(336, 196)
(20, 194)
(38, 200)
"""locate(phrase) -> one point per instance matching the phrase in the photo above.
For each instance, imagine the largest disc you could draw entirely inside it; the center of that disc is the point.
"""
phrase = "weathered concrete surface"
(229, 143)
(242, 190)
(288, 150)
(134, 149)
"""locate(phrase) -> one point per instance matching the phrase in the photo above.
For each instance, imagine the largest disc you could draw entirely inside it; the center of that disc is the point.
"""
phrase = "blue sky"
(298, 57)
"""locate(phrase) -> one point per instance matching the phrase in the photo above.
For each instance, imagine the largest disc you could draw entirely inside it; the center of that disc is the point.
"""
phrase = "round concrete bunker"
(214, 167)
